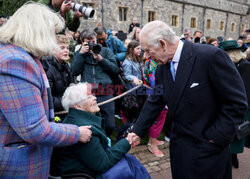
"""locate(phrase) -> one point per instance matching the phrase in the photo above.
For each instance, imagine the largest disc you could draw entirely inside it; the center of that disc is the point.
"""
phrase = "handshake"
(133, 139)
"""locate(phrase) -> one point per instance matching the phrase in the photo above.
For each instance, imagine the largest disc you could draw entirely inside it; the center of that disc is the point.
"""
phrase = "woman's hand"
(85, 134)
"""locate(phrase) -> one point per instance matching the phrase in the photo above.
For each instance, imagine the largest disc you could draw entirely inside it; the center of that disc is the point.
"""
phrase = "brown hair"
(197, 31)
(211, 40)
(130, 52)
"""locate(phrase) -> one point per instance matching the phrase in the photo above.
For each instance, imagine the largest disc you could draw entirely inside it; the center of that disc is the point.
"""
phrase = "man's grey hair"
(33, 27)
(87, 34)
(188, 30)
(156, 30)
(75, 94)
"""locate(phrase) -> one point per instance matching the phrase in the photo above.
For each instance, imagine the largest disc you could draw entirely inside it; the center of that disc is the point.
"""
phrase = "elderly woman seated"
(95, 158)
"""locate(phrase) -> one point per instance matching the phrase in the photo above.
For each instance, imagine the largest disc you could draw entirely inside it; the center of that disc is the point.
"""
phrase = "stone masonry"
(157, 167)
(229, 12)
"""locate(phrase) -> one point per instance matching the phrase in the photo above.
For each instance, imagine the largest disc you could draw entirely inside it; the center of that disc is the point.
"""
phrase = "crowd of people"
(53, 77)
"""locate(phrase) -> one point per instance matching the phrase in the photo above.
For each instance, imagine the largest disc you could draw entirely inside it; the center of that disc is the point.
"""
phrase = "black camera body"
(96, 48)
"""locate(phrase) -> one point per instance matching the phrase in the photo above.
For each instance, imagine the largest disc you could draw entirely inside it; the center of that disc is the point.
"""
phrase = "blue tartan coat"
(26, 134)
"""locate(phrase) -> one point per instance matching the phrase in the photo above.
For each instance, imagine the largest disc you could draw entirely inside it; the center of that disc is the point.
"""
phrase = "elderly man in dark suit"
(205, 97)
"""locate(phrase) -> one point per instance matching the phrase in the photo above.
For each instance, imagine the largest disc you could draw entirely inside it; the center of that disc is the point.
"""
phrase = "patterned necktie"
(172, 70)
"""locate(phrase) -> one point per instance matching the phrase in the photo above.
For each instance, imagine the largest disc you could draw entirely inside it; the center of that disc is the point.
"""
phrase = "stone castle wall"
(228, 11)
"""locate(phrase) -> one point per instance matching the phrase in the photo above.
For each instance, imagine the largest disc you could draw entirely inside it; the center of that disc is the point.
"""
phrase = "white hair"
(33, 27)
(74, 94)
(156, 30)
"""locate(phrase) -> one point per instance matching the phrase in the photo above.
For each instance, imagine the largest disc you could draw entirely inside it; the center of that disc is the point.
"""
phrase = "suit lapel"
(183, 73)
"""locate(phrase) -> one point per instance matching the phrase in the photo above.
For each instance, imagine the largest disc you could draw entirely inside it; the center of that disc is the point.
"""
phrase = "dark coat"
(93, 157)
(243, 67)
(131, 26)
(60, 77)
(208, 111)
(93, 71)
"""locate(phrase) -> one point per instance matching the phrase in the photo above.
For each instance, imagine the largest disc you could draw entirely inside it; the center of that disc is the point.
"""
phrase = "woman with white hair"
(96, 158)
(26, 114)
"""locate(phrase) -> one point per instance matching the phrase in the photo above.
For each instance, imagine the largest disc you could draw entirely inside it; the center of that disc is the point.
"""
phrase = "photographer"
(72, 21)
(97, 66)
(116, 46)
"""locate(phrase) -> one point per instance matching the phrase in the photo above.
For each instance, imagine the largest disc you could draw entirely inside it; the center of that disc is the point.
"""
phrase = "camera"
(86, 11)
(96, 48)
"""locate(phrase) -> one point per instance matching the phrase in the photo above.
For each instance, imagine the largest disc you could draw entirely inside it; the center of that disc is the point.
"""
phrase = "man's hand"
(85, 134)
(98, 57)
(137, 81)
(78, 14)
(65, 7)
(133, 139)
(85, 48)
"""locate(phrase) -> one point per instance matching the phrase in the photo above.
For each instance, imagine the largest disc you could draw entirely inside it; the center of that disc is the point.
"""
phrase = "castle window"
(193, 22)
(222, 25)
(123, 13)
(208, 26)
(242, 27)
(232, 27)
(151, 16)
(174, 20)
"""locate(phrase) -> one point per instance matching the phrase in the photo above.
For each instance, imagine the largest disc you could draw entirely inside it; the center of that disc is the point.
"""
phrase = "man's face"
(187, 35)
(248, 37)
(92, 40)
(198, 34)
(160, 54)
(102, 38)
(63, 54)
(57, 2)
(134, 21)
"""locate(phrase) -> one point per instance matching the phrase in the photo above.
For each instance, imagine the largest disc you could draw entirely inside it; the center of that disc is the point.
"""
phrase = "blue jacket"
(119, 48)
(131, 70)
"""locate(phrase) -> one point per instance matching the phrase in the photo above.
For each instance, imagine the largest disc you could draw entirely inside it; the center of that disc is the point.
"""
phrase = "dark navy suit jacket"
(206, 102)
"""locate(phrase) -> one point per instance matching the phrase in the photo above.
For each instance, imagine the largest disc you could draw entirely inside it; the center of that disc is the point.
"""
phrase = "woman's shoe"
(157, 152)
(235, 161)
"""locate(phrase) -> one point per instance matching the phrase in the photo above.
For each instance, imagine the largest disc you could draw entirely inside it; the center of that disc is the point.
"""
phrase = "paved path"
(159, 168)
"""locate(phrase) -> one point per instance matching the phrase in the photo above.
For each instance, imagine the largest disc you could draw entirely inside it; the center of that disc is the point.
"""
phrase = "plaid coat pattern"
(26, 134)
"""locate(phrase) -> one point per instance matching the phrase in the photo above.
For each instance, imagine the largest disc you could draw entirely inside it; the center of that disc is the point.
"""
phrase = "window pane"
(242, 27)
(193, 23)
(125, 14)
(208, 23)
(120, 14)
(232, 27)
